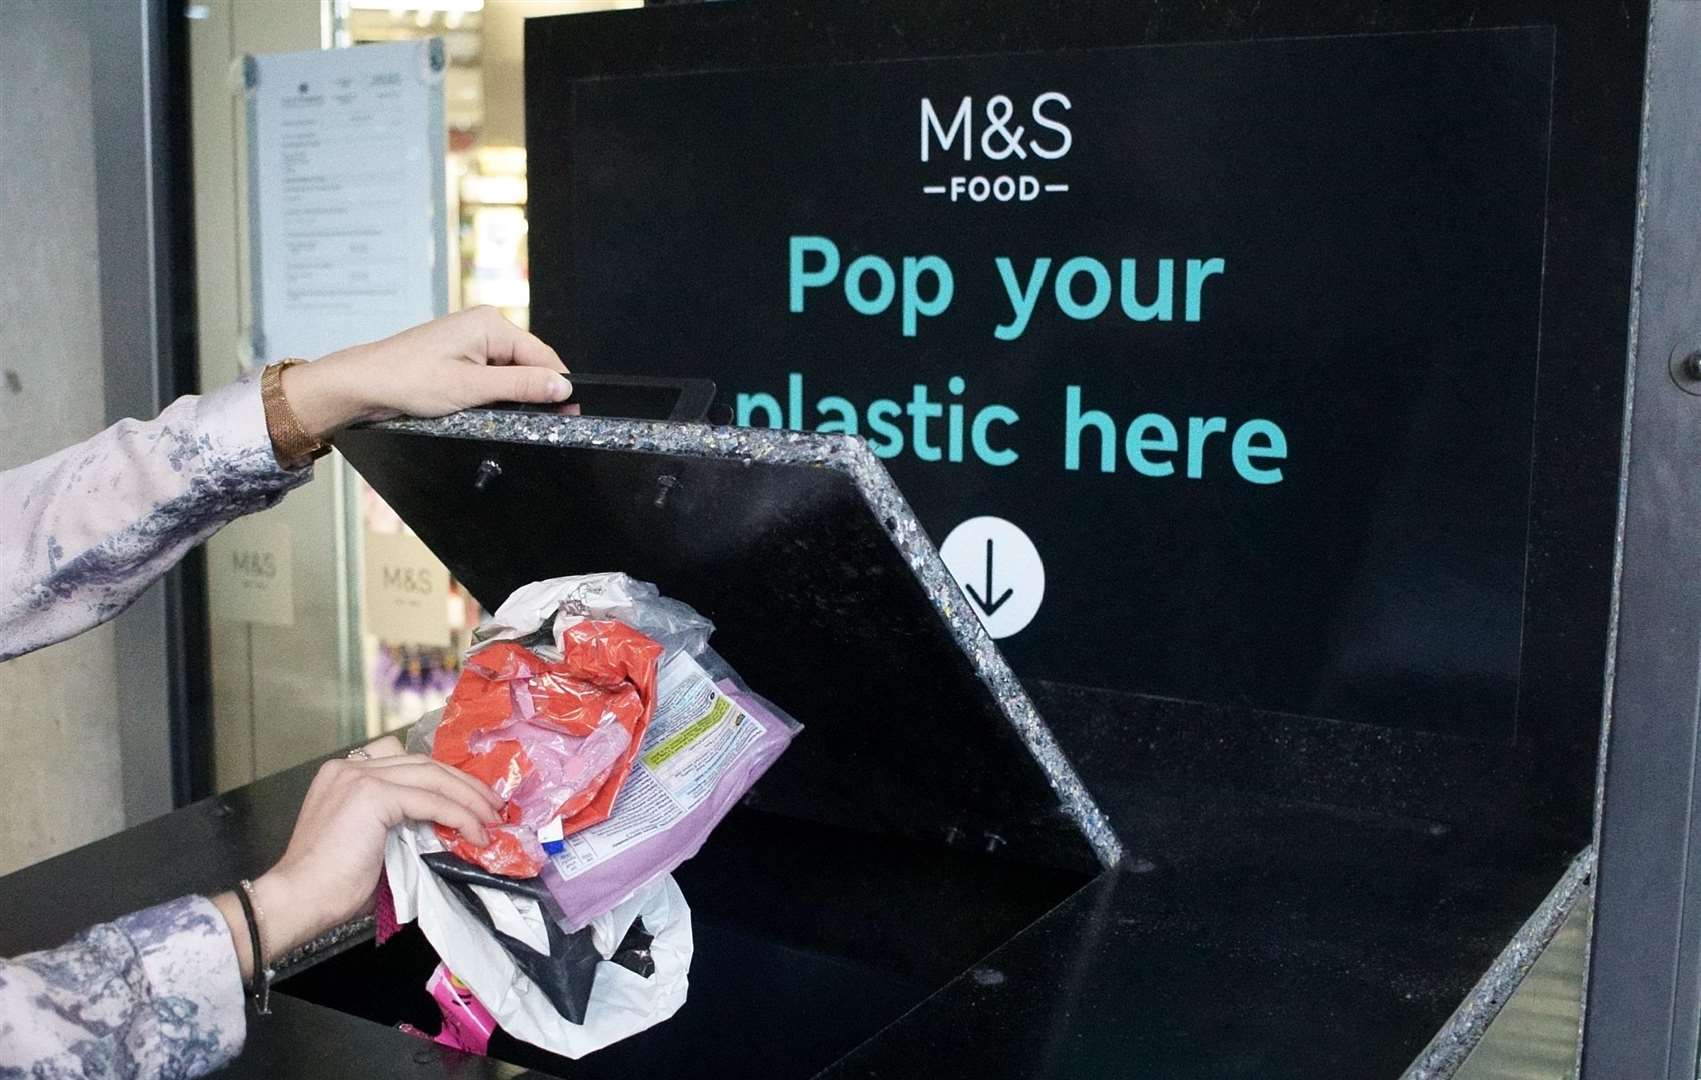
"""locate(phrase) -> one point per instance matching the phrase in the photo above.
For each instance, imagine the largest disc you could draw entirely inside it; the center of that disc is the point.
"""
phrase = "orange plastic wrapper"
(607, 673)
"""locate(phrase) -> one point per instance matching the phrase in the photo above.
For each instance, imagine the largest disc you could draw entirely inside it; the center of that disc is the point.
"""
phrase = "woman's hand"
(329, 872)
(470, 358)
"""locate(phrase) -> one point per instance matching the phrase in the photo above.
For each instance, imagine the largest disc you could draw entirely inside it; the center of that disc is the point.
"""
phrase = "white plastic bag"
(622, 1003)
(559, 602)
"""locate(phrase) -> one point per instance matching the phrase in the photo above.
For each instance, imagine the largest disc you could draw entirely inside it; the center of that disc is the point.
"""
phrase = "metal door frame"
(1643, 998)
(145, 214)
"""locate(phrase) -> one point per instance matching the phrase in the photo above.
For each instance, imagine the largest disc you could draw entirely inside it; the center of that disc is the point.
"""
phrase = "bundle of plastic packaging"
(709, 738)
(620, 739)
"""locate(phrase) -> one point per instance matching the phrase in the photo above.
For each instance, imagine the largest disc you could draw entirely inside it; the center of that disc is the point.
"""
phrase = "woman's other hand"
(473, 357)
(329, 872)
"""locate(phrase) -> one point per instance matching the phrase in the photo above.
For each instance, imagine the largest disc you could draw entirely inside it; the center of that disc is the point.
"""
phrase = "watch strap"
(290, 442)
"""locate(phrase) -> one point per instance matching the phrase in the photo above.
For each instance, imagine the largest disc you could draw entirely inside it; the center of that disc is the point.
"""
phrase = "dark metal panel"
(1547, 776)
(812, 603)
(1644, 991)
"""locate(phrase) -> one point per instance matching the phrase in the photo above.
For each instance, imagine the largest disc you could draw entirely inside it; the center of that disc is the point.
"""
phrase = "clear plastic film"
(560, 602)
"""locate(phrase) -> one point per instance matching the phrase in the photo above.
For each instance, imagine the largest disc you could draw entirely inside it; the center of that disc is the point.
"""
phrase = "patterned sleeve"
(87, 529)
(154, 994)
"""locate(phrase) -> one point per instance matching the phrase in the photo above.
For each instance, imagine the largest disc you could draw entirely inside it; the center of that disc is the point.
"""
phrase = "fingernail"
(562, 389)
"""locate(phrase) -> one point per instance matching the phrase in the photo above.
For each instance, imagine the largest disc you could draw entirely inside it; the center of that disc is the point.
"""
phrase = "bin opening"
(921, 819)
(825, 593)
(809, 940)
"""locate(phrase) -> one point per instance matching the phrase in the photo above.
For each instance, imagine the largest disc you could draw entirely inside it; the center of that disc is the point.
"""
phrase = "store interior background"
(281, 694)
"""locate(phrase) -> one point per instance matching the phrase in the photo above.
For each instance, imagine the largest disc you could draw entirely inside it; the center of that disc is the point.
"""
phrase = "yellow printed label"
(680, 740)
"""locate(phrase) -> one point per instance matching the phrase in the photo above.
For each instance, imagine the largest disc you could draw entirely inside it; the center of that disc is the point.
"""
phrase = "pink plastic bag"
(467, 1024)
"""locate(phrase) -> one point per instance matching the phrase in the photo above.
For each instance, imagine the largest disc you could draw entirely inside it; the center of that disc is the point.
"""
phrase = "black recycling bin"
(964, 869)
(924, 816)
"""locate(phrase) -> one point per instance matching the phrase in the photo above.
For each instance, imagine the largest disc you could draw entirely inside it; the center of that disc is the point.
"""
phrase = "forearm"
(87, 529)
(83, 532)
(154, 994)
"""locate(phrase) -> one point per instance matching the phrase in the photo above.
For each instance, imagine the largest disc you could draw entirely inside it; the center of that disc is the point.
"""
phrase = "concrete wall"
(58, 706)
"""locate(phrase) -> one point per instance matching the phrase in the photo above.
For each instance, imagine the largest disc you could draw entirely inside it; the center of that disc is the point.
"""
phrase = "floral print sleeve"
(154, 994)
(84, 531)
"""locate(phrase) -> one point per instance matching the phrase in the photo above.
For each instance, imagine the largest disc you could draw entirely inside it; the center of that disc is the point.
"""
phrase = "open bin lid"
(826, 595)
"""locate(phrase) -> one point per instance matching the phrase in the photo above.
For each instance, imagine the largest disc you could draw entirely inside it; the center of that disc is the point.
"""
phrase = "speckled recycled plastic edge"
(842, 453)
(336, 940)
(1465, 1028)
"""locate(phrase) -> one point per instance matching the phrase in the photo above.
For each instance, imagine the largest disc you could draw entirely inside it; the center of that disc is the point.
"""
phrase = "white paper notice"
(346, 187)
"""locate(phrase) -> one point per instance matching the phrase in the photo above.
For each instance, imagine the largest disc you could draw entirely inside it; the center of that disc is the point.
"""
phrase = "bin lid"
(826, 594)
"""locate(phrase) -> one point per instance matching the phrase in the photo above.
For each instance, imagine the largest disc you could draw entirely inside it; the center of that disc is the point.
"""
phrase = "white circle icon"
(999, 570)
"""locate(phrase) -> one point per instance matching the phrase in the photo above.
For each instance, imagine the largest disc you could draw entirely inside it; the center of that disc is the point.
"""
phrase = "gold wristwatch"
(293, 446)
